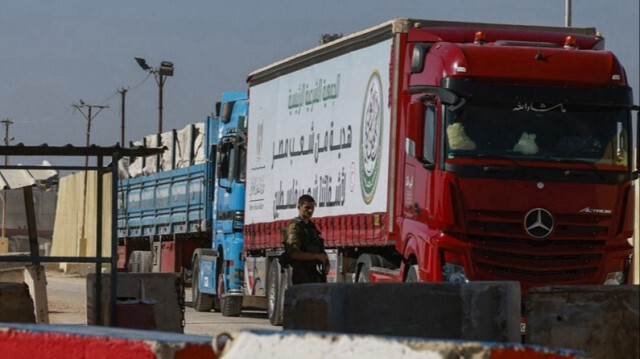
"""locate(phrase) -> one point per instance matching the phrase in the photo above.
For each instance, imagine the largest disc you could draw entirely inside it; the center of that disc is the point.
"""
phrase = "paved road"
(68, 300)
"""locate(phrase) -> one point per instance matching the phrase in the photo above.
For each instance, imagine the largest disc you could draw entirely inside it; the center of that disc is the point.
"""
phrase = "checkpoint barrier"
(602, 320)
(42, 341)
(160, 308)
(300, 345)
(485, 311)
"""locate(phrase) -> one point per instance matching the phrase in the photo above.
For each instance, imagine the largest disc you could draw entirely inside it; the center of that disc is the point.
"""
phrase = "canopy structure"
(17, 178)
(25, 177)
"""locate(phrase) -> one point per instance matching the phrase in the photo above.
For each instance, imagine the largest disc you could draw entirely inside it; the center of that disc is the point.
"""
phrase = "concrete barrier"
(34, 276)
(16, 305)
(165, 288)
(487, 311)
(29, 341)
(601, 320)
(299, 345)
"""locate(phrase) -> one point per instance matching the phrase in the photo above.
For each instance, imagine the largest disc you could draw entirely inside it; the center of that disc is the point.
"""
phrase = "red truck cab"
(514, 157)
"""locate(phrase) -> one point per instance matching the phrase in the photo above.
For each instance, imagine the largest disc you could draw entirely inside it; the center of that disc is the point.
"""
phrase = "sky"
(54, 53)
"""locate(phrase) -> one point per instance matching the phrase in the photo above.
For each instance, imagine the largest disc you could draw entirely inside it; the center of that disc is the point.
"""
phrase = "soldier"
(304, 247)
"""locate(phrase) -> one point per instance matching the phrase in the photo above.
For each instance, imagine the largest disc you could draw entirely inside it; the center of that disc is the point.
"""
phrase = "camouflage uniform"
(304, 237)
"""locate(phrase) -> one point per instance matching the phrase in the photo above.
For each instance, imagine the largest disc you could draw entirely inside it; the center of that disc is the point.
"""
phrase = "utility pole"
(7, 122)
(567, 13)
(80, 107)
(122, 92)
(81, 242)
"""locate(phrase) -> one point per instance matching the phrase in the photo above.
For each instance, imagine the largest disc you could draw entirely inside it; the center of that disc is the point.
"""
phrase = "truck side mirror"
(223, 164)
(418, 56)
(227, 108)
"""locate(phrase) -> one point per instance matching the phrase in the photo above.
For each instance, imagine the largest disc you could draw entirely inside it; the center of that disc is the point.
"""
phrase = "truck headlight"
(614, 278)
(454, 273)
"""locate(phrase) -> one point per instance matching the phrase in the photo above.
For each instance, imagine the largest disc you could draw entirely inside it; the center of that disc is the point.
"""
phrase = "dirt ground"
(67, 298)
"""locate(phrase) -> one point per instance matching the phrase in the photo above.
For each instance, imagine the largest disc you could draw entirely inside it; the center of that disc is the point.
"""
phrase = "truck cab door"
(420, 158)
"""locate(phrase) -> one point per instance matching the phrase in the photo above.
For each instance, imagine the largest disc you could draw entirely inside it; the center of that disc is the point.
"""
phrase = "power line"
(113, 94)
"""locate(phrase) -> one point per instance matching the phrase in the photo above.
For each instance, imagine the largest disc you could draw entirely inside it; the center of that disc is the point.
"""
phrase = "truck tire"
(285, 278)
(228, 306)
(231, 306)
(273, 289)
(140, 261)
(145, 261)
(201, 302)
(412, 274)
(134, 262)
(365, 262)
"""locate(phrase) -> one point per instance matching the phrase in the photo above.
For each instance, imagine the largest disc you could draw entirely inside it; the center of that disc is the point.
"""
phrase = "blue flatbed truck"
(189, 220)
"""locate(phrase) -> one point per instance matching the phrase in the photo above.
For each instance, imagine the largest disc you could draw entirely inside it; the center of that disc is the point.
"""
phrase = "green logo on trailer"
(371, 137)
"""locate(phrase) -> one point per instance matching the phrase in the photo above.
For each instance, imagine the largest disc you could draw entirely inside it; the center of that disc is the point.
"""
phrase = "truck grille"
(502, 250)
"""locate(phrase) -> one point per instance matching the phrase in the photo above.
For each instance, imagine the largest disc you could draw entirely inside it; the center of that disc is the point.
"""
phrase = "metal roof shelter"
(10, 178)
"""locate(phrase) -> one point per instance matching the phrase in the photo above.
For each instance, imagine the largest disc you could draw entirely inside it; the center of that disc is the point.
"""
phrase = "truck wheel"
(365, 262)
(201, 302)
(145, 261)
(412, 274)
(285, 278)
(231, 306)
(273, 304)
(134, 262)
(228, 306)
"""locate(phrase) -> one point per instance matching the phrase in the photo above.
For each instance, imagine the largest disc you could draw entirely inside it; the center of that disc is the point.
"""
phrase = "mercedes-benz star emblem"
(538, 223)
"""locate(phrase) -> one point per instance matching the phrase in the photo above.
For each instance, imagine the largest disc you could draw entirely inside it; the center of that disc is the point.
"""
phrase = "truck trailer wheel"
(412, 274)
(285, 280)
(134, 262)
(365, 262)
(273, 289)
(140, 262)
(201, 302)
(146, 262)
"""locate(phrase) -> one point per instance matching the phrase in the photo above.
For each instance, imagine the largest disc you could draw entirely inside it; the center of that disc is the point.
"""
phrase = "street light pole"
(160, 73)
(122, 92)
(160, 82)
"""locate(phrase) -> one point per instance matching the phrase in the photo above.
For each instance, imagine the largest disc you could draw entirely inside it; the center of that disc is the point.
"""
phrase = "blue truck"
(218, 271)
(189, 219)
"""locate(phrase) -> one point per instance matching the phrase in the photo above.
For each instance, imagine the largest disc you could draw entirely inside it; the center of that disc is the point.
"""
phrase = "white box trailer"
(322, 129)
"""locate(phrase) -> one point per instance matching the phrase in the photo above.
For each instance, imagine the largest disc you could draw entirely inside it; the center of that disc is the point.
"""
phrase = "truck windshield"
(539, 132)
